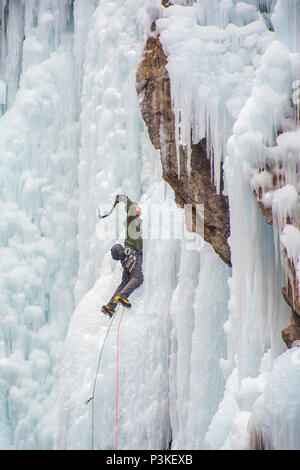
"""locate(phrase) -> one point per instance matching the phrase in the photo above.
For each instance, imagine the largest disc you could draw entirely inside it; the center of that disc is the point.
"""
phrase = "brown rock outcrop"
(291, 333)
(191, 187)
(291, 294)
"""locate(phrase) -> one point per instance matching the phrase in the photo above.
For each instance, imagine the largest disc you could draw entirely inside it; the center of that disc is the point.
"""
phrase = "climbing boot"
(124, 302)
(109, 309)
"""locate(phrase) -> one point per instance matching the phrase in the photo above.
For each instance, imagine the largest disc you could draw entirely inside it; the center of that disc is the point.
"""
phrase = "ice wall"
(116, 157)
(275, 419)
(155, 406)
(201, 363)
(38, 187)
(12, 34)
(198, 312)
(253, 140)
(222, 60)
(110, 142)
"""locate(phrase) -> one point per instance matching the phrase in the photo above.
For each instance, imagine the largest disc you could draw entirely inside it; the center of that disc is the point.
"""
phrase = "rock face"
(193, 187)
(291, 295)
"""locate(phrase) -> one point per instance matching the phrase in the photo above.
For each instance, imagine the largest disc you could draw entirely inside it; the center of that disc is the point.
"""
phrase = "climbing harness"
(131, 257)
(92, 398)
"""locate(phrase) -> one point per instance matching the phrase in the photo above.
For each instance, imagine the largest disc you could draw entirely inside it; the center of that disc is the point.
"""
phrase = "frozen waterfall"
(201, 361)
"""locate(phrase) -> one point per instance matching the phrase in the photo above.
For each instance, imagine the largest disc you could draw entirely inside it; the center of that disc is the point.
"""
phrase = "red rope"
(117, 386)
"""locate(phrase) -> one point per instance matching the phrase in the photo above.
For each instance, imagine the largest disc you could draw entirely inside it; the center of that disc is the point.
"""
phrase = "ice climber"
(130, 257)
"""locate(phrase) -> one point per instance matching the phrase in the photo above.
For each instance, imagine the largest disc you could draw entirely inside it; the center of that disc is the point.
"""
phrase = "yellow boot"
(124, 302)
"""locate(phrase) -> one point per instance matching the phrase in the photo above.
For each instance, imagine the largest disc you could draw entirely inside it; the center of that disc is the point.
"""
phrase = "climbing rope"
(96, 378)
(117, 382)
(92, 398)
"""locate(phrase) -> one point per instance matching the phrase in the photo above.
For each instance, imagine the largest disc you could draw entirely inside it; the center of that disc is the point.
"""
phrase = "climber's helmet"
(117, 252)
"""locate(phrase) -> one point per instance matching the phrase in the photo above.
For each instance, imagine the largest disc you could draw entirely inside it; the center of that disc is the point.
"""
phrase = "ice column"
(38, 217)
(110, 149)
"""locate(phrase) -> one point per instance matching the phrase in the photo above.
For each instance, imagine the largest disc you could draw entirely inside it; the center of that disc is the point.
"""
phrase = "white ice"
(202, 362)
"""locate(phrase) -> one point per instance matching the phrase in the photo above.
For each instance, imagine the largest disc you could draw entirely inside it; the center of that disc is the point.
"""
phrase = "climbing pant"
(131, 280)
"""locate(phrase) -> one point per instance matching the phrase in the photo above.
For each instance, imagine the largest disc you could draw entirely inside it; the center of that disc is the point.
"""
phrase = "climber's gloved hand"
(120, 198)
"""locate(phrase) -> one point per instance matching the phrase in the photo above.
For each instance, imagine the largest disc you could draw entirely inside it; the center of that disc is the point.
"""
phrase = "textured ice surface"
(38, 225)
(275, 416)
(197, 350)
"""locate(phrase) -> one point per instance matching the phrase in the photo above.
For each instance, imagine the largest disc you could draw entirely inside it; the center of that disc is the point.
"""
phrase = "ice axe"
(119, 198)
